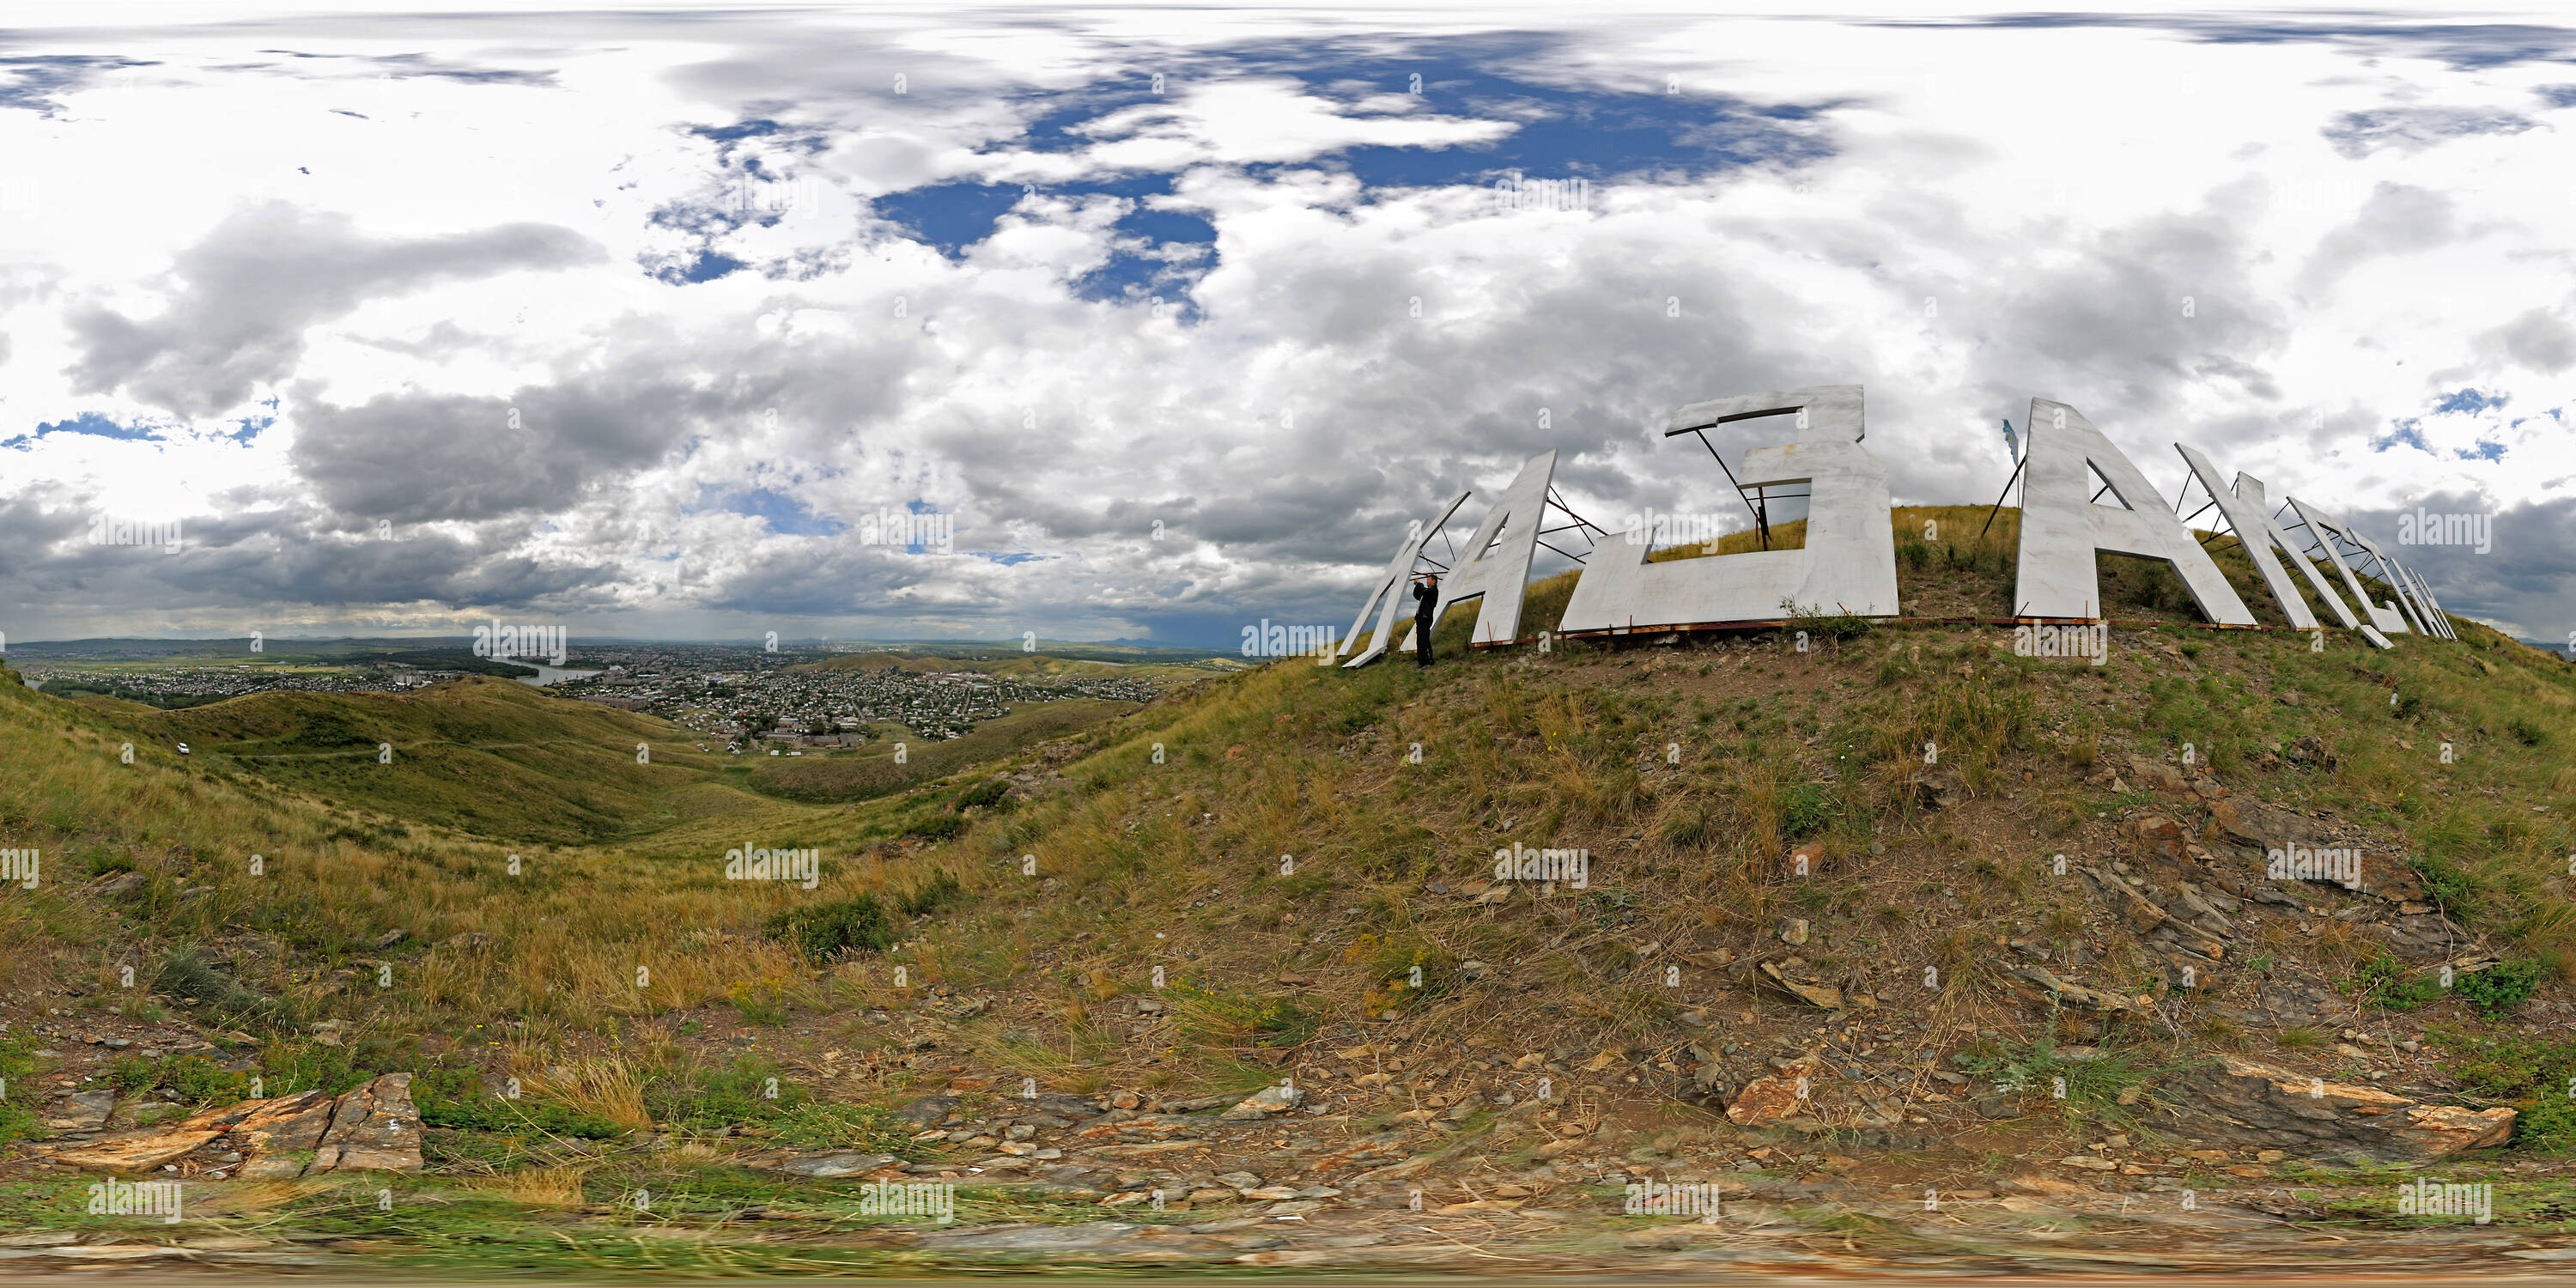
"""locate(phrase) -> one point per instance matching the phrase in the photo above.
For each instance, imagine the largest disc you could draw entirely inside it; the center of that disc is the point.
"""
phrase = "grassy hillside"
(1289, 866)
(351, 849)
(492, 757)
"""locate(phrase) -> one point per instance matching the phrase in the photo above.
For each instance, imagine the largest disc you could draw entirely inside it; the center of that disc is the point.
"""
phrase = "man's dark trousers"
(1426, 602)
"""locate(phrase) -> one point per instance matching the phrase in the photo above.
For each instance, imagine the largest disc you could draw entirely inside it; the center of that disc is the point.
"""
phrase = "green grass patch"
(455, 1099)
(2534, 1073)
(17, 1064)
(826, 931)
(2039, 1074)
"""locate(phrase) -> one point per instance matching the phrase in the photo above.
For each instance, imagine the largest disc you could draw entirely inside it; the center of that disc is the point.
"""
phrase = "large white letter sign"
(1848, 565)
(2061, 528)
(2432, 607)
(2400, 600)
(2326, 528)
(1391, 586)
(2249, 516)
(2410, 592)
(1500, 574)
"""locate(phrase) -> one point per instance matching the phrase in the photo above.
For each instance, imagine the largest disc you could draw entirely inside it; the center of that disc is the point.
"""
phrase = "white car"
(183, 749)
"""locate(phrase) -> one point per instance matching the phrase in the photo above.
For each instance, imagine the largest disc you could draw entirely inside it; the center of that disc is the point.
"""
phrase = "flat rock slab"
(1263, 1103)
(927, 1109)
(1817, 995)
(40, 1239)
(373, 1129)
(2250, 1103)
(2074, 994)
(1767, 1100)
(83, 1110)
(836, 1164)
(114, 1252)
(1032, 1238)
(2157, 776)
(2263, 828)
(285, 1123)
(134, 1153)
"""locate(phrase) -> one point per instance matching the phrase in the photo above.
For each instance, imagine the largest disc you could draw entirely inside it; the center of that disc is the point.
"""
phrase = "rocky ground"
(1768, 1224)
(1280, 1179)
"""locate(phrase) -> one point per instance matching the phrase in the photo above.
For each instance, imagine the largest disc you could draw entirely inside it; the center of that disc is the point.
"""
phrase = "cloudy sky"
(640, 322)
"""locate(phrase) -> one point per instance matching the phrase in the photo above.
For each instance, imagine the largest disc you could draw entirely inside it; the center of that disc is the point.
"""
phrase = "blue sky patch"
(90, 422)
(784, 514)
(1167, 226)
(2409, 431)
(2460, 45)
(2470, 401)
(1595, 136)
(950, 216)
(1560, 133)
(705, 266)
(1157, 254)
(755, 128)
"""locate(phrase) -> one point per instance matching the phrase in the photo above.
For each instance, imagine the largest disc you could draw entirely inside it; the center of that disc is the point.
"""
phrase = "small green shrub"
(937, 827)
(815, 1124)
(186, 973)
(2500, 987)
(940, 892)
(827, 930)
(289, 1067)
(2037, 1073)
(2385, 980)
(2447, 885)
(986, 793)
(1806, 809)
(192, 1079)
(756, 1093)
(17, 1061)
(1816, 622)
(2529, 1072)
(1220, 1017)
(455, 1099)
(705, 1097)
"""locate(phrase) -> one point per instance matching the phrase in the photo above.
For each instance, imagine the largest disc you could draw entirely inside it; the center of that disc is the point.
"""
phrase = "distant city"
(741, 696)
(745, 697)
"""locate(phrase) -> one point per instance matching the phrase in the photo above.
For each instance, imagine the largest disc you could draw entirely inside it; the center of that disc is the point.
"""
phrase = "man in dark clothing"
(1426, 607)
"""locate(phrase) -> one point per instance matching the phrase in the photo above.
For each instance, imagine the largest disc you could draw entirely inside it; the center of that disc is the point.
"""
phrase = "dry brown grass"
(604, 1086)
(553, 1187)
